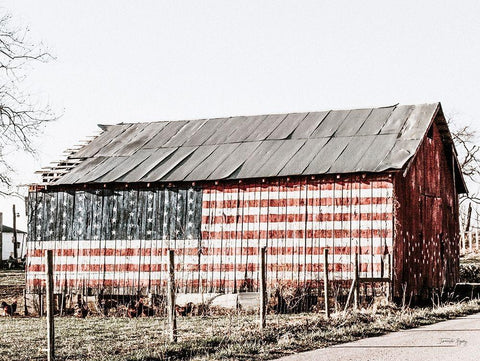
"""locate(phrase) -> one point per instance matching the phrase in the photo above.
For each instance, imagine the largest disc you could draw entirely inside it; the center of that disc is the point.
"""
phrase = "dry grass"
(213, 338)
(12, 277)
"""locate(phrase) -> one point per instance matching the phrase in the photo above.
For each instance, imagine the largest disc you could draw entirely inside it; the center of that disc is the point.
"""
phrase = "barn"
(382, 183)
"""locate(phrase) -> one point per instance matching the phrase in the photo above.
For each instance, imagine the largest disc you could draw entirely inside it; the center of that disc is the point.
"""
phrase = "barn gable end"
(426, 225)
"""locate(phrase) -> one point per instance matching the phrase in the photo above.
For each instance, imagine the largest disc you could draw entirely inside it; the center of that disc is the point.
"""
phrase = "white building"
(7, 242)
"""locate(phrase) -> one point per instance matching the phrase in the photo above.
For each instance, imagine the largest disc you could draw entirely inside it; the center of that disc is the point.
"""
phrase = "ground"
(231, 336)
(12, 284)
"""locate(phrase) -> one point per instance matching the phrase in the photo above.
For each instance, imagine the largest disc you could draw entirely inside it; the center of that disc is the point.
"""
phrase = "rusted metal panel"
(103, 140)
(352, 154)
(142, 168)
(300, 161)
(165, 134)
(396, 119)
(198, 156)
(169, 164)
(287, 126)
(287, 149)
(266, 127)
(121, 141)
(323, 161)
(376, 153)
(126, 166)
(330, 124)
(308, 125)
(213, 161)
(185, 133)
(252, 166)
(353, 122)
(375, 121)
(234, 161)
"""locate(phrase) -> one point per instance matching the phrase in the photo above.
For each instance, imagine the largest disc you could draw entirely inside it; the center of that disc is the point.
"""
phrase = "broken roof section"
(337, 141)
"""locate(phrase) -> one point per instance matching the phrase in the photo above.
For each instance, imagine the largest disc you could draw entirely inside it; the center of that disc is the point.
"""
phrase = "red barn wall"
(103, 241)
(426, 222)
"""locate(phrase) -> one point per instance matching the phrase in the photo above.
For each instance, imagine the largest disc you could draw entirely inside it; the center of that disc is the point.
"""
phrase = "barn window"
(430, 132)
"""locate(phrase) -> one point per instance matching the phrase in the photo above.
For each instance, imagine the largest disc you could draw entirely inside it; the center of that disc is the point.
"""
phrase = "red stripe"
(292, 202)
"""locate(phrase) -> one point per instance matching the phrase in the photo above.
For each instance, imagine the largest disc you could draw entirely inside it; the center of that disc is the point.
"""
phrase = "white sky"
(134, 61)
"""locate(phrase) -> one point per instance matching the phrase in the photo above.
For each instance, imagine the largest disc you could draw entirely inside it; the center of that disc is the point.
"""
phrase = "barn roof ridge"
(359, 140)
(103, 126)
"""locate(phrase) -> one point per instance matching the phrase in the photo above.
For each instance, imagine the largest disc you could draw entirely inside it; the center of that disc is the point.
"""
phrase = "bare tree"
(21, 118)
(465, 139)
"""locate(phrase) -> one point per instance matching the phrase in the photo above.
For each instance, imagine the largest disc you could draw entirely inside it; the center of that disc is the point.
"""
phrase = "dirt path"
(457, 339)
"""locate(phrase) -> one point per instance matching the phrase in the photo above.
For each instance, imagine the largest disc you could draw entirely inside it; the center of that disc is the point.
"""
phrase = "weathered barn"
(377, 182)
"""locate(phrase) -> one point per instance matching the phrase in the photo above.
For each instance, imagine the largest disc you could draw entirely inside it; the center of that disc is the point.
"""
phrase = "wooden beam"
(172, 315)
(50, 308)
(325, 281)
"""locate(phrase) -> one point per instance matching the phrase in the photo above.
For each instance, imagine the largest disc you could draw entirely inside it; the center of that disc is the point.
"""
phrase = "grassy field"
(213, 338)
(234, 336)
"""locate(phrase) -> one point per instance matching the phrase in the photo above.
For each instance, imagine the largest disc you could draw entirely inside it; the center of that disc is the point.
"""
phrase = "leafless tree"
(465, 139)
(21, 117)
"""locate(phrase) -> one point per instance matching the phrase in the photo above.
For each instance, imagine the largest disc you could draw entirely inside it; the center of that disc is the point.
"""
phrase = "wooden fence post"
(172, 315)
(476, 239)
(390, 276)
(325, 281)
(263, 287)
(355, 294)
(470, 243)
(50, 324)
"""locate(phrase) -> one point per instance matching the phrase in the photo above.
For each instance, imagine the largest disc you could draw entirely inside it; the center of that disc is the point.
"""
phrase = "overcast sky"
(135, 61)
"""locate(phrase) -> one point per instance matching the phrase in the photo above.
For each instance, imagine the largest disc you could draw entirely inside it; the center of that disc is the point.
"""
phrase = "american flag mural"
(117, 240)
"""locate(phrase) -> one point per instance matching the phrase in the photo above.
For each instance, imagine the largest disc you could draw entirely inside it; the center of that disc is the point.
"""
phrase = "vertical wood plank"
(50, 309)
(172, 316)
(325, 282)
(356, 289)
(263, 287)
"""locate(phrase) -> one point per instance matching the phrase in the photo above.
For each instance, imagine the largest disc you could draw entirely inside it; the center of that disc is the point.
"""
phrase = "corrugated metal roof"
(336, 141)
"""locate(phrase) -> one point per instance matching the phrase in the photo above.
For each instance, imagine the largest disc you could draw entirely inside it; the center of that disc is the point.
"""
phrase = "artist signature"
(453, 341)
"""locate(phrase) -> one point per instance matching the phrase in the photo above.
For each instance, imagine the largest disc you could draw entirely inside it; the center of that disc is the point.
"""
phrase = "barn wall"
(118, 241)
(426, 227)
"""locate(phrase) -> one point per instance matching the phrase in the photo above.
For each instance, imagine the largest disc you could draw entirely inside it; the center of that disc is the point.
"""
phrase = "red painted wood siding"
(426, 241)
(295, 220)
